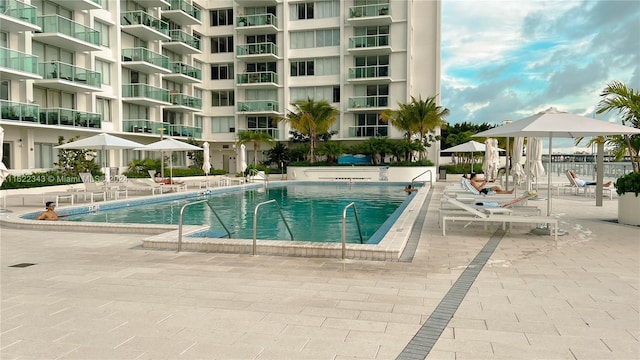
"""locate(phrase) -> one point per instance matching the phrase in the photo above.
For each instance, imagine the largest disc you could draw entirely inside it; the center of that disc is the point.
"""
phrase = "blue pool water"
(313, 211)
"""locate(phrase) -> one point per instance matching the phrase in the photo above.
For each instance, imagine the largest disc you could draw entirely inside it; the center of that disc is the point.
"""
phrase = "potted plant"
(242, 21)
(628, 189)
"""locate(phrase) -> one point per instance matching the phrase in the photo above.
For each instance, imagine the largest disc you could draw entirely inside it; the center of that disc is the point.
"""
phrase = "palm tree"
(627, 102)
(332, 150)
(256, 138)
(313, 119)
(427, 115)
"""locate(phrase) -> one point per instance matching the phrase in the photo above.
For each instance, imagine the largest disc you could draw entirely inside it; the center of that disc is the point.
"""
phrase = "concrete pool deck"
(101, 296)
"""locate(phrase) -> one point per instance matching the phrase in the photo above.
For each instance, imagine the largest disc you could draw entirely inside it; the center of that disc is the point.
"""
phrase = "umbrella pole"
(162, 164)
(549, 179)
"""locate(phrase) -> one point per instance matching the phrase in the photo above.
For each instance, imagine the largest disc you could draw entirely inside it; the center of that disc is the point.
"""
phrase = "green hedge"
(33, 180)
(177, 172)
(394, 164)
(461, 168)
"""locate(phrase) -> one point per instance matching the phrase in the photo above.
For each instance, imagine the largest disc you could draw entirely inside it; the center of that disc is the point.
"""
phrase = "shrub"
(629, 183)
(33, 180)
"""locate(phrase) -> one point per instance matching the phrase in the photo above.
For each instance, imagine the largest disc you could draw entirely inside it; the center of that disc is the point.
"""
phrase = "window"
(222, 98)
(314, 10)
(197, 93)
(104, 68)
(257, 39)
(221, 17)
(103, 29)
(103, 107)
(44, 155)
(336, 94)
(197, 121)
(303, 11)
(371, 124)
(222, 71)
(261, 67)
(222, 44)
(222, 124)
(302, 68)
(262, 123)
(317, 93)
(318, 38)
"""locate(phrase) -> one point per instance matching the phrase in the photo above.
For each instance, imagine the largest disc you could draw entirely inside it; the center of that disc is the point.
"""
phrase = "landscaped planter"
(362, 173)
(629, 209)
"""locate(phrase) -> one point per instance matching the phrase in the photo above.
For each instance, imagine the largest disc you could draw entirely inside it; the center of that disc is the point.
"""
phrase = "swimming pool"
(313, 211)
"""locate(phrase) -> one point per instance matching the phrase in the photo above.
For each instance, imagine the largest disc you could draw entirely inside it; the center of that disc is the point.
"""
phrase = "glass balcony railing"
(19, 111)
(368, 130)
(368, 101)
(257, 78)
(60, 24)
(19, 10)
(184, 6)
(184, 69)
(361, 11)
(259, 48)
(145, 91)
(70, 117)
(257, 20)
(368, 72)
(63, 71)
(185, 100)
(275, 133)
(183, 37)
(258, 105)
(18, 61)
(155, 127)
(183, 130)
(146, 55)
(368, 41)
(142, 18)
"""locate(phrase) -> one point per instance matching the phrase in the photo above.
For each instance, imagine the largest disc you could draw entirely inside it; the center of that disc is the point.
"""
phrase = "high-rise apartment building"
(205, 69)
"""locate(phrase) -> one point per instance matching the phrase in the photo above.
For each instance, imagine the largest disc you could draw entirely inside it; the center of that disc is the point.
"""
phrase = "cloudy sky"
(506, 60)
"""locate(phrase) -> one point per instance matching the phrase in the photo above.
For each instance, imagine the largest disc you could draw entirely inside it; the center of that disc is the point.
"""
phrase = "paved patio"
(100, 296)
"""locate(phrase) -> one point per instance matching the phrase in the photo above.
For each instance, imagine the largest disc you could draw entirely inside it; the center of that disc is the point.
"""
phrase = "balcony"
(273, 132)
(16, 65)
(17, 16)
(264, 78)
(375, 74)
(70, 117)
(183, 130)
(153, 3)
(66, 77)
(79, 5)
(182, 43)
(19, 111)
(368, 131)
(370, 45)
(145, 61)
(145, 95)
(153, 128)
(182, 102)
(370, 15)
(260, 51)
(67, 34)
(368, 103)
(183, 73)
(257, 24)
(181, 12)
(258, 107)
(142, 25)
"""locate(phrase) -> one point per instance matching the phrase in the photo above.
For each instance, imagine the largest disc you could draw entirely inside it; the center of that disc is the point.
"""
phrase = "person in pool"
(409, 189)
(50, 212)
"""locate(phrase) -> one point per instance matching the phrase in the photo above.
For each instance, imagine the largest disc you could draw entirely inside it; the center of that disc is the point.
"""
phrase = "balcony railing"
(142, 18)
(368, 72)
(62, 71)
(184, 6)
(258, 106)
(59, 24)
(257, 20)
(19, 111)
(369, 11)
(183, 37)
(184, 69)
(153, 127)
(70, 117)
(146, 55)
(18, 61)
(259, 48)
(368, 41)
(263, 77)
(185, 100)
(368, 130)
(368, 101)
(19, 10)
(275, 133)
(183, 130)
(145, 91)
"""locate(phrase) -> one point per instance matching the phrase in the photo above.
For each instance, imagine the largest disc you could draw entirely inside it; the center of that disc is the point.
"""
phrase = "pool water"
(312, 211)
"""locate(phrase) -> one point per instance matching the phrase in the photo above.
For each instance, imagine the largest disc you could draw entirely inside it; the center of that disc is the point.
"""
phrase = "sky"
(506, 60)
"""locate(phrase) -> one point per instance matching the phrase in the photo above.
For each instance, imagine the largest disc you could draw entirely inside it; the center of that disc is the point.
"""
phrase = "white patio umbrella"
(553, 123)
(169, 145)
(469, 146)
(516, 161)
(102, 142)
(242, 158)
(491, 159)
(534, 160)
(206, 162)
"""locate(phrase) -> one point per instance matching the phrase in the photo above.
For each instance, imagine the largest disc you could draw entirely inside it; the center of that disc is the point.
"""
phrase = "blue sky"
(506, 60)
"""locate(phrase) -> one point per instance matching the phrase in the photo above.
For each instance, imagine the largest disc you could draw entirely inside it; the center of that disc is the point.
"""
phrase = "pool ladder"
(181, 216)
(426, 171)
(255, 222)
(344, 227)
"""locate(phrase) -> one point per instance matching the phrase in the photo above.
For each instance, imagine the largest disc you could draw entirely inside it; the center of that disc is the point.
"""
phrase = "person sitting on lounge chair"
(158, 178)
(583, 183)
(480, 186)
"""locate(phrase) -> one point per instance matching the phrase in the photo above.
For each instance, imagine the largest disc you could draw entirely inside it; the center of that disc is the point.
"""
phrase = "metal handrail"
(180, 221)
(255, 222)
(424, 172)
(344, 226)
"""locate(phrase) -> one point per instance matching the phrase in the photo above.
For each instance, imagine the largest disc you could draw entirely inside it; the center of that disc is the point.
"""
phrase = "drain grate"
(22, 265)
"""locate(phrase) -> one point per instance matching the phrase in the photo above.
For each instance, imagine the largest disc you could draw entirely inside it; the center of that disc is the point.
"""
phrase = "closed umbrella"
(242, 158)
(534, 159)
(491, 159)
(206, 162)
(516, 161)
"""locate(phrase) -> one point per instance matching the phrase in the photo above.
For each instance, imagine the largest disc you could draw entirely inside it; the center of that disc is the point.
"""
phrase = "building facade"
(205, 69)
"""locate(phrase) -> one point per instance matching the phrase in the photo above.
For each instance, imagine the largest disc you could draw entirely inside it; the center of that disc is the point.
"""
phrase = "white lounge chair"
(496, 214)
(167, 187)
(587, 189)
(91, 188)
(515, 205)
